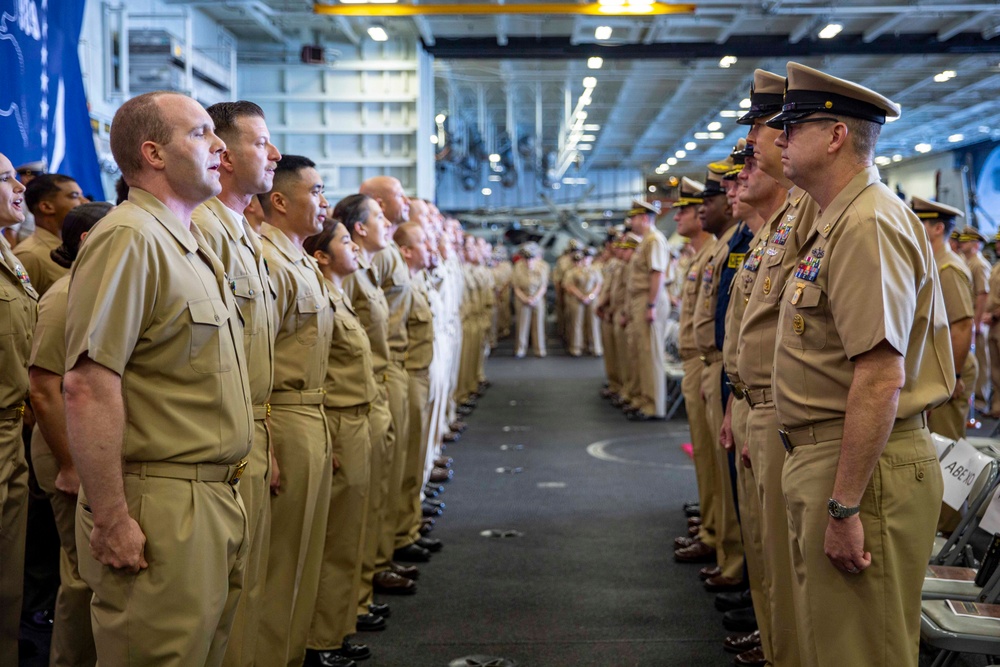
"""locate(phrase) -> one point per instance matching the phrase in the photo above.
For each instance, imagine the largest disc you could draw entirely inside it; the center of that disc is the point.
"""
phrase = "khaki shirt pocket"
(307, 319)
(805, 320)
(8, 318)
(208, 317)
(249, 294)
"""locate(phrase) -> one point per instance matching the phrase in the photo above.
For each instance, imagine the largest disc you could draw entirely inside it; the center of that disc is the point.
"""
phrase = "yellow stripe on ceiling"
(485, 9)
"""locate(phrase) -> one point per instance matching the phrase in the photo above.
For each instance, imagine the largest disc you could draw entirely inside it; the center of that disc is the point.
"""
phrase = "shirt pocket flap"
(308, 305)
(247, 287)
(803, 295)
(208, 311)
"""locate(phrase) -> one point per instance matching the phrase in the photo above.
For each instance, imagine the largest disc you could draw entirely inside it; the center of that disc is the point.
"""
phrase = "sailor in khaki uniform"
(18, 302)
(624, 336)
(50, 198)
(502, 273)
(611, 274)
(563, 264)
(295, 209)
(862, 351)
(72, 635)
(581, 287)
(970, 245)
(788, 212)
(350, 390)
(530, 280)
(151, 324)
(247, 169)
(955, 279)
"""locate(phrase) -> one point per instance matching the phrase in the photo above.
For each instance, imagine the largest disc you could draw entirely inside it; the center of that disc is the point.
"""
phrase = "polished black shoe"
(388, 582)
(327, 659)
(694, 510)
(431, 493)
(409, 571)
(730, 601)
(430, 510)
(371, 623)
(353, 651)
(451, 437)
(740, 620)
(436, 503)
(458, 426)
(380, 609)
(431, 544)
(412, 554)
(436, 488)
(443, 462)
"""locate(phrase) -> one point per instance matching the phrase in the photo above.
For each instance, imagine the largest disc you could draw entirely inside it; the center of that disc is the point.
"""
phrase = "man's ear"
(152, 154)
(46, 207)
(279, 202)
(226, 161)
(840, 137)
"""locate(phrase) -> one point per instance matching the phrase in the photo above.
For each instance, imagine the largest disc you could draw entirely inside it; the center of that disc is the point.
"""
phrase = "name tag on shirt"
(736, 259)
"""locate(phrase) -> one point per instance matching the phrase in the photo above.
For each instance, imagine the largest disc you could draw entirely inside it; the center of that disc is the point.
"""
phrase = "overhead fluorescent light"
(663, 166)
(882, 160)
(671, 161)
(434, 139)
(589, 81)
(716, 135)
(595, 62)
(701, 135)
(956, 138)
(440, 118)
(830, 31)
(745, 103)
(923, 148)
(680, 155)
(714, 126)
(487, 192)
(378, 33)
(897, 157)
(727, 61)
(592, 127)
(690, 145)
(493, 178)
(730, 113)
(602, 33)
(584, 147)
(494, 157)
(946, 75)
(589, 137)
(652, 188)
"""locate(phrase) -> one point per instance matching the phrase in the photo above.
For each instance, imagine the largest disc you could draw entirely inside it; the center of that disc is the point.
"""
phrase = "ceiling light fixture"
(680, 155)
(956, 138)
(652, 188)
(592, 127)
(494, 157)
(923, 148)
(690, 145)
(434, 139)
(487, 192)
(589, 81)
(595, 62)
(882, 160)
(378, 33)
(727, 62)
(830, 31)
(730, 113)
(671, 161)
(440, 118)
(946, 75)
(602, 33)
(745, 103)
(589, 137)
(702, 136)
(897, 157)
(716, 135)
(714, 126)
(584, 147)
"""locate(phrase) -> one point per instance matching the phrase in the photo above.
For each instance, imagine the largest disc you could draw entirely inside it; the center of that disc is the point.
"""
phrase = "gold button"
(798, 325)
(767, 284)
(826, 229)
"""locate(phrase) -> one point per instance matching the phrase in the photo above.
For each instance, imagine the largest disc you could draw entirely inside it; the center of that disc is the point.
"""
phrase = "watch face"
(834, 508)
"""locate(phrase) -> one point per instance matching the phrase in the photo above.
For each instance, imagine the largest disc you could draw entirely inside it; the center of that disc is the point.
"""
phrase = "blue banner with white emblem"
(43, 107)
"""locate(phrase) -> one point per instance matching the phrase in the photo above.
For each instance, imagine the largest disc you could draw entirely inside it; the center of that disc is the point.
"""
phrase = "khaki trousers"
(299, 514)
(13, 526)
(633, 386)
(702, 445)
(625, 374)
(398, 386)
(983, 357)
(409, 512)
(768, 457)
(178, 611)
(383, 439)
(530, 320)
(72, 635)
(750, 526)
(729, 542)
(467, 360)
(503, 313)
(610, 350)
(255, 490)
(651, 338)
(336, 612)
(877, 612)
(951, 419)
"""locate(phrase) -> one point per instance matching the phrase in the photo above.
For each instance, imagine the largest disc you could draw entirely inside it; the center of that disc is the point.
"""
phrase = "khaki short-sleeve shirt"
(35, 255)
(304, 318)
(18, 312)
(368, 301)
(980, 269)
(689, 300)
(242, 255)
(531, 280)
(394, 280)
(350, 379)
(708, 293)
(651, 255)
(956, 285)
(740, 290)
(148, 300)
(420, 326)
(786, 231)
(864, 275)
(48, 351)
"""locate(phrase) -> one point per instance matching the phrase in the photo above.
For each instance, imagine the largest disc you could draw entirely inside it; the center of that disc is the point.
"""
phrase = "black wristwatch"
(838, 511)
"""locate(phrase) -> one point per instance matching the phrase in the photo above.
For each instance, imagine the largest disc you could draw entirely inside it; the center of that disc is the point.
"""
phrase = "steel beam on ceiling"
(749, 46)
(487, 9)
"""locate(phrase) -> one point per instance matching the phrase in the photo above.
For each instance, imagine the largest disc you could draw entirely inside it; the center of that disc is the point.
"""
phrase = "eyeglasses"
(788, 124)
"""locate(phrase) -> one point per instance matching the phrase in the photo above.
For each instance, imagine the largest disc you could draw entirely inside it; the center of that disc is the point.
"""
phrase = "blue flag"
(43, 106)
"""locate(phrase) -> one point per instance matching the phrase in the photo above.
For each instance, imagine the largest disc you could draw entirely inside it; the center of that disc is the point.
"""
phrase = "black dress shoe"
(370, 623)
(451, 437)
(380, 609)
(436, 503)
(730, 601)
(431, 544)
(436, 488)
(463, 410)
(426, 528)
(430, 510)
(694, 510)
(390, 583)
(409, 571)
(740, 620)
(443, 461)
(327, 659)
(741, 643)
(353, 651)
(412, 554)
(441, 475)
(431, 493)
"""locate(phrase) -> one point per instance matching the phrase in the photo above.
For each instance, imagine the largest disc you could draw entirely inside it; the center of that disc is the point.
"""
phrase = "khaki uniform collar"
(231, 221)
(150, 204)
(861, 181)
(283, 243)
(47, 238)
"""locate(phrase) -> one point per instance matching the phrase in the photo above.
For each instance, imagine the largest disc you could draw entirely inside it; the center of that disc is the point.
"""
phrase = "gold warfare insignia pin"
(798, 325)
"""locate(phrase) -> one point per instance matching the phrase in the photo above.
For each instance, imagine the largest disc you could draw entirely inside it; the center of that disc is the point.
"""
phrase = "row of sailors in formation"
(240, 393)
(824, 332)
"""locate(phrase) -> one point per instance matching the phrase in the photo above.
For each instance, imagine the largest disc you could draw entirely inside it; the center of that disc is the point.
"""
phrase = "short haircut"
(322, 240)
(226, 114)
(406, 234)
(41, 188)
(287, 170)
(351, 210)
(137, 121)
(121, 190)
(79, 220)
(863, 136)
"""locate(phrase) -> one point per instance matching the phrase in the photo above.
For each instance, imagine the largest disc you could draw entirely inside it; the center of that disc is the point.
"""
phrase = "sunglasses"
(788, 124)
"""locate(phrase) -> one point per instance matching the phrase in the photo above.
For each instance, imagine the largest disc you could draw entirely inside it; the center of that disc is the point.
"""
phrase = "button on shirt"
(865, 274)
(148, 300)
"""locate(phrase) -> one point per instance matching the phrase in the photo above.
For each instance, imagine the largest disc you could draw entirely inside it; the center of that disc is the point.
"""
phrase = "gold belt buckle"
(20, 409)
(239, 472)
(738, 391)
